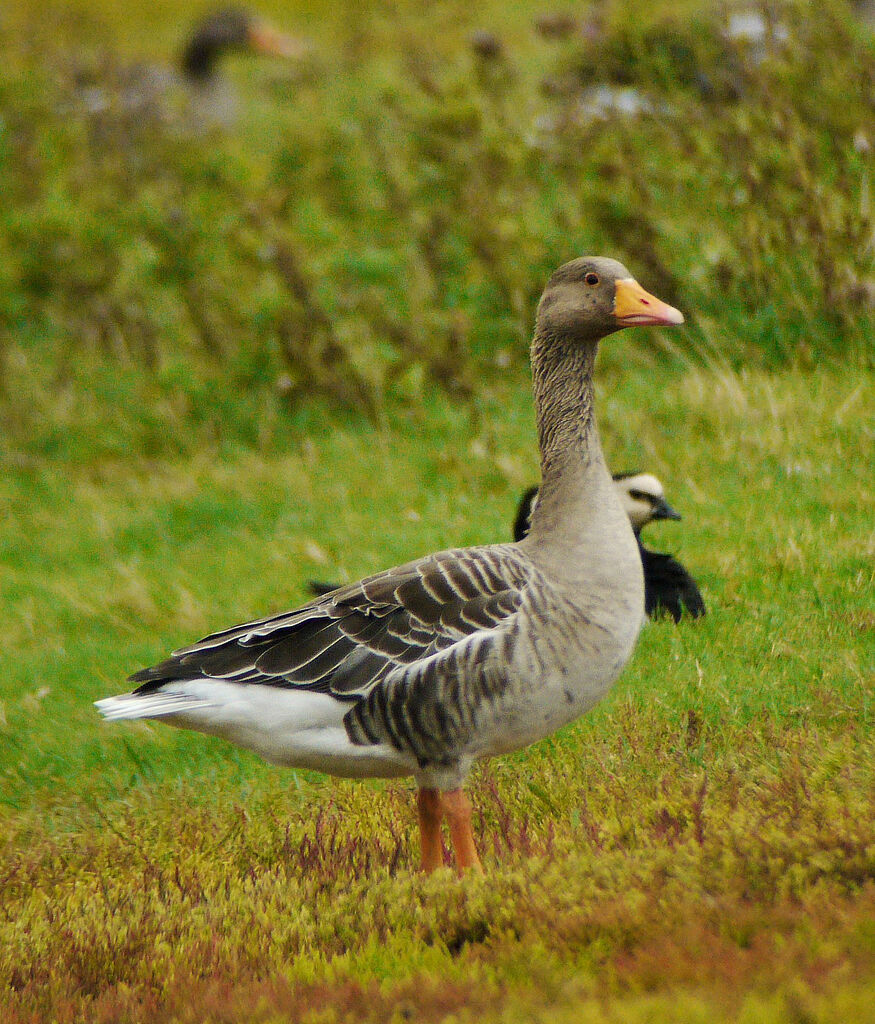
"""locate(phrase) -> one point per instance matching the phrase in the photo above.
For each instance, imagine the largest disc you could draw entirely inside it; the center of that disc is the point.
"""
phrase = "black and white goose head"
(643, 498)
(668, 586)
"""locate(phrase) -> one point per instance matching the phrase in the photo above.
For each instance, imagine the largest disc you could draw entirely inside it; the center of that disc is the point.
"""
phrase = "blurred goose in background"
(229, 30)
(195, 97)
(423, 669)
(668, 587)
(222, 32)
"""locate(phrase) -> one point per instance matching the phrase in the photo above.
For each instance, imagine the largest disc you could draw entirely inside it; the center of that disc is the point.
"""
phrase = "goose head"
(643, 499)
(593, 296)
(234, 29)
(641, 495)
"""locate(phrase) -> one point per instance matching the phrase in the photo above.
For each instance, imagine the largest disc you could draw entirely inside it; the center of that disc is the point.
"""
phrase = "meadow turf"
(295, 349)
(701, 844)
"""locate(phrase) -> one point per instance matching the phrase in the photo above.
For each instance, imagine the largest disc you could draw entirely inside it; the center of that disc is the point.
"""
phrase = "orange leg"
(431, 811)
(457, 808)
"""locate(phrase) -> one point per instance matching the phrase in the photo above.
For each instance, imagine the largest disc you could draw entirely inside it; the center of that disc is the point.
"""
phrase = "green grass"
(701, 844)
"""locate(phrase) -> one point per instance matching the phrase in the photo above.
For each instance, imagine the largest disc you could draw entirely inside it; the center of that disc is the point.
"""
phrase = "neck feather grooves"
(573, 472)
(562, 382)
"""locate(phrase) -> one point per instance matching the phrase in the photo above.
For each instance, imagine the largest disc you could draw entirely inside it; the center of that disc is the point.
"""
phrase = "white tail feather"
(149, 705)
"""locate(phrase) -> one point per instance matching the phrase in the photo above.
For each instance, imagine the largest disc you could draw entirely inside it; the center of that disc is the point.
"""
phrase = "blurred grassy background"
(382, 215)
(238, 356)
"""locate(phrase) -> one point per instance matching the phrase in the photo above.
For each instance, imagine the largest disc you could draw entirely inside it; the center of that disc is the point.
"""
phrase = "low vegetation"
(681, 865)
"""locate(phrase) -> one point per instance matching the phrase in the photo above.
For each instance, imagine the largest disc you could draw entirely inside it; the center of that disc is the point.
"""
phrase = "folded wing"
(372, 643)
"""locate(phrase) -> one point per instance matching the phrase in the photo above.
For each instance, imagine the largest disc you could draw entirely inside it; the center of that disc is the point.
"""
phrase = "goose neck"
(573, 472)
(562, 371)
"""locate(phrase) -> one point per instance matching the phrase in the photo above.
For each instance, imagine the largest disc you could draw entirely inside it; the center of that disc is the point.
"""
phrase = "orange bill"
(264, 38)
(635, 307)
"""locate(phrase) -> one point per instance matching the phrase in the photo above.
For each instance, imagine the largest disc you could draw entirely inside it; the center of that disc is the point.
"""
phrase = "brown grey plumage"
(422, 669)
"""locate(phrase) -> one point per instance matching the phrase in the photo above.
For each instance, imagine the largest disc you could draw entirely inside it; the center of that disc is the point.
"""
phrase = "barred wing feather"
(374, 643)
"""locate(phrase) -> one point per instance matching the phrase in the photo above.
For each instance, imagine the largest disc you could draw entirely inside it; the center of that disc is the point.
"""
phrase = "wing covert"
(347, 642)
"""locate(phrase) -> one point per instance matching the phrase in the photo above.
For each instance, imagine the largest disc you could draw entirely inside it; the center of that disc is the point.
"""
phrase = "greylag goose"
(233, 29)
(423, 669)
(193, 97)
(668, 587)
(211, 98)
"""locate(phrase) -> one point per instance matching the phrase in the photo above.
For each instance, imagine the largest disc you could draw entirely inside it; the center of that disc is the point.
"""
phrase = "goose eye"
(592, 278)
